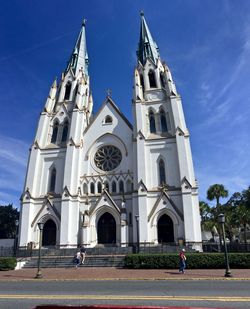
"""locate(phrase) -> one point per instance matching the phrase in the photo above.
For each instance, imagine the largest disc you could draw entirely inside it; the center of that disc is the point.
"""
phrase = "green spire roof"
(79, 57)
(147, 47)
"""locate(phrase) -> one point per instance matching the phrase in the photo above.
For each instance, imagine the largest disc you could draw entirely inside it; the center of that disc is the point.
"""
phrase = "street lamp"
(221, 218)
(16, 239)
(39, 273)
(137, 233)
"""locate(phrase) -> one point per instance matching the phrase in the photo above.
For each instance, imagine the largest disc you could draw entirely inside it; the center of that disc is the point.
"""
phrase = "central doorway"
(165, 229)
(106, 229)
(49, 233)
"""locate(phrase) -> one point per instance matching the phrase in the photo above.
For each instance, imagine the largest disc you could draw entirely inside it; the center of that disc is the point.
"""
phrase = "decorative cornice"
(71, 142)
(181, 132)
(141, 135)
(36, 145)
(66, 192)
(186, 182)
(158, 138)
(26, 194)
(142, 187)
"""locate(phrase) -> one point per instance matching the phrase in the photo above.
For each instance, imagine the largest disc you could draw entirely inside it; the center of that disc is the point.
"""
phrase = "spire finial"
(79, 56)
(141, 13)
(147, 47)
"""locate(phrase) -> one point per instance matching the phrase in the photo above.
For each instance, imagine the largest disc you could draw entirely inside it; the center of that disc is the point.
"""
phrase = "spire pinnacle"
(147, 47)
(79, 56)
(54, 85)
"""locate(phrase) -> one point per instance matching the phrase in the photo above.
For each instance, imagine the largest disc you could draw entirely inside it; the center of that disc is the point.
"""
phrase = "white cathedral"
(98, 179)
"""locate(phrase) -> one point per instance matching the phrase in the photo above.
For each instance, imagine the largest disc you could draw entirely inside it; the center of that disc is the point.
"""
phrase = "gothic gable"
(104, 200)
(165, 201)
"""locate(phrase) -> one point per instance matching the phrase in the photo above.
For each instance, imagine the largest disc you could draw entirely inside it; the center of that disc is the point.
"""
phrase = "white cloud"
(13, 150)
(13, 159)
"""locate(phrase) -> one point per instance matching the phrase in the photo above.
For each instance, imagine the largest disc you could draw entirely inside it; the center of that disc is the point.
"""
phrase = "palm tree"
(215, 192)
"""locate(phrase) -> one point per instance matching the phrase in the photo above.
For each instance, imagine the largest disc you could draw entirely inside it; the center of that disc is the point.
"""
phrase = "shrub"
(194, 260)
(7, 263)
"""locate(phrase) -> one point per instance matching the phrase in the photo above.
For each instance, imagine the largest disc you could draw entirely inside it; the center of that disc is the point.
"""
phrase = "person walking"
(182, 261)
(83, 253)
(78, 258)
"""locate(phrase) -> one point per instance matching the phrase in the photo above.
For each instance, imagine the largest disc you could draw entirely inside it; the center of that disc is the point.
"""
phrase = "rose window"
(107, 158)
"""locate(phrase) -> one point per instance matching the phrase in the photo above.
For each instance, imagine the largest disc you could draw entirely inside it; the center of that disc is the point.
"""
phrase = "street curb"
(127, 279)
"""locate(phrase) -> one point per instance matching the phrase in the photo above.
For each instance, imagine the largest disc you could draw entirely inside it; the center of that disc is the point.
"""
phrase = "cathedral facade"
(98, 179)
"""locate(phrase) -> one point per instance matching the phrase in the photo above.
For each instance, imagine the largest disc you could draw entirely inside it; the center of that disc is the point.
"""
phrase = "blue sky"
(205, 43)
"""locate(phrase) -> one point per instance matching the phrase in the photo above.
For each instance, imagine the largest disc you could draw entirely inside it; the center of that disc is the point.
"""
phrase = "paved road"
(223, 294)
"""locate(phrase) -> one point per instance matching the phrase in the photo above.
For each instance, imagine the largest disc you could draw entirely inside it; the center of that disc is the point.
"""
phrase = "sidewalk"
(111, 273)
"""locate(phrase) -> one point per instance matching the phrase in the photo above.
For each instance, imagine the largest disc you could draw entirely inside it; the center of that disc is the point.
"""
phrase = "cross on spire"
(109, 92)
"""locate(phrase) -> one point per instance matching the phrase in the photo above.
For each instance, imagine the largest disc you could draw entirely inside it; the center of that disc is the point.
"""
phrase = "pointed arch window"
(152, 127)
(106, 186)
(162, 78)
(65, 131)
(162, 172)
(108, 119)
(129, 185)
(130, 218)
(99, 187)
(55, 132)
(76, 90)
(142, 81)
(92, 188)
(164, 127)
(67, 91)
(121, 186)
(52, 184)
(151, 77)
(85, 188)
(113, 187)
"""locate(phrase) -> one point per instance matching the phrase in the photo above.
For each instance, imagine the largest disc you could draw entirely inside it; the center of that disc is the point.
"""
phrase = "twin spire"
(147, 48)
(79, 57)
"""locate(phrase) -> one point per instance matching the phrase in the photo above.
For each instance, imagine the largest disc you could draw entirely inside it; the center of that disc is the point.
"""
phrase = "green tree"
(231, 226)
(243, 212)
(205, 213)
(246, 197)
(237, 213)
(215, 192)
(207, 220)
(8, 216)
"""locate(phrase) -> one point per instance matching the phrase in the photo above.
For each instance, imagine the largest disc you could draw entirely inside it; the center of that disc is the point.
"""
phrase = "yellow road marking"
(127, 297)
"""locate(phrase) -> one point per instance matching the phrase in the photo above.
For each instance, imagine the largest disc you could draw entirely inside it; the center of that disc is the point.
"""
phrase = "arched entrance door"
(106, 229)
(49, 233)
(165, 229)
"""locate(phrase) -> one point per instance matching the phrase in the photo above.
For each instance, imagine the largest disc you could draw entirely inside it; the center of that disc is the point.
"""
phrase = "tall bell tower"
(167, 189)
(53, 168)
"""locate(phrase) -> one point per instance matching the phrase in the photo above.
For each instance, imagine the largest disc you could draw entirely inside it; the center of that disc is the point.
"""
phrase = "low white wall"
(20, 265)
